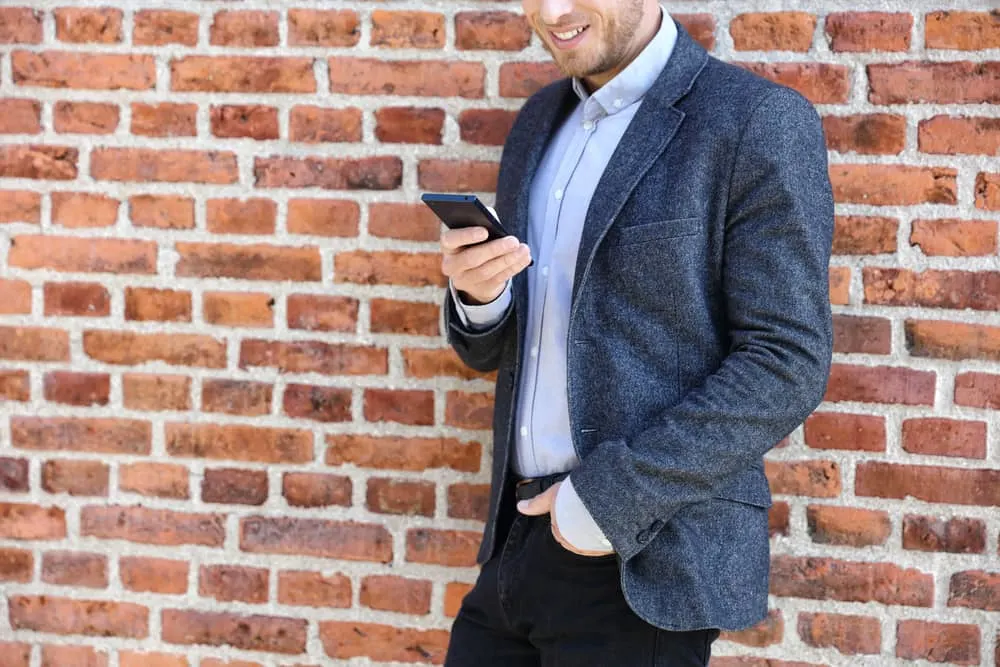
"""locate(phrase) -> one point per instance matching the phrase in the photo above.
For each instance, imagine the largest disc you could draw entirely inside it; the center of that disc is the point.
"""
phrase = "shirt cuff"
(575, 523)
(483, 316)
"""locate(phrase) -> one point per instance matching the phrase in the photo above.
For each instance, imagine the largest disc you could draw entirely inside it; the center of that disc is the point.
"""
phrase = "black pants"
(536, 604)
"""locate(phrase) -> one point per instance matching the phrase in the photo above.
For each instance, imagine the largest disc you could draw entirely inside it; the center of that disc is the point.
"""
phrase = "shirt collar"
(633, 82)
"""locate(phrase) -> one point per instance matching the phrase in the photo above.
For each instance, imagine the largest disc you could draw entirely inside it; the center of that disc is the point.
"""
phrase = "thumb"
(540, 504)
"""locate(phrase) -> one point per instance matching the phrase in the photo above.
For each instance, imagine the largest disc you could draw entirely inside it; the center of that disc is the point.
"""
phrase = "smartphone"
(461, 211)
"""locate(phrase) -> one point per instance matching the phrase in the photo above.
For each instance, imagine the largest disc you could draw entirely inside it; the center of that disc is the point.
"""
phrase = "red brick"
(831, 579)
(20, 25)
(248, 262)
(454, 593)
(405, 317)
(237, 442)
(130, 349)
(82, 209)
(840, 285)
(486, 127)
(820, 83)
(409, 222)
(161, 27)
(766, 633)
(382, 643)
(168, 166)
(855, 32)
(81, 25)
(238, 309)
(324, 217)
(938, 642)
(63, 616)
(17, 297)
(164, 120)
(77, 434)
(312, 589)
(955, 238)
(20, 116)
(238, 121)
(932, 484)
(409, 125)
(851, 635)
(229, 583)
(468, 501)
(19, 521)
(274, 634)
(68, 568)
(957, 536)
(159, 480)
(85, 117)
(933, 289)
(13, 474)
(427, 78)
(83, 255)
(304, 489)
(837, 430)
(392, 593)
(950, 135)
(858, 235)
(147, 304)
(86, 299)
(344, 540)
(153, 575)
(241, 216)
(952, 340)
(152, 526)
(893, 185)
(320, 312)
(314, 357)
(16, 565)
(912, 82)
(413, 407)
(242, 74)
(398, 453)
(469, 410)
(424, 363)
(236, 397)
(988, 192)
(73, 69)
(16, 654)
(496, 31)
(525, 79)
(880, 384)
(232, 486)
(20, 206)
(323, 404)
(458, 175)
(370, 173)
(965, 31)
(33, 344)
(978, 390)
(78, 656)
(156, 392)
(393, 496)
(407, 30)
(776, 31)
(847, 526)
(389, 268)
(77, 478)
(454, 548)
(323, 27)
(817, 479)
(244, 28)
(162, 211)
(855, 334)
(945, 437)
(135, 659)
(39, 162)
(975, 590)
(311, 124)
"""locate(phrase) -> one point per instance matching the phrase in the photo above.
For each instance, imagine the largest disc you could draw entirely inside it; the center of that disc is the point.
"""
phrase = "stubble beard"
(620, 31)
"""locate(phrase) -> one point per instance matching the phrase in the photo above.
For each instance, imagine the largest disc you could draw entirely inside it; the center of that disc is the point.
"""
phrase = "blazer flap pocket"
(661, 229)
(750, 488)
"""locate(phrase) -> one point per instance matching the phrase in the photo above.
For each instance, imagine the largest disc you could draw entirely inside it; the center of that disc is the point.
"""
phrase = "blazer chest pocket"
(653, 231)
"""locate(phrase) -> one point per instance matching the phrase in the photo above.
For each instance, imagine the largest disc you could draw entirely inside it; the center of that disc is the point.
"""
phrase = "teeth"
(568, 35)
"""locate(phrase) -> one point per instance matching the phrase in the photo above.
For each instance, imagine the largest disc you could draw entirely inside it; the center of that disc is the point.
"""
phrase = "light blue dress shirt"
(560, 197)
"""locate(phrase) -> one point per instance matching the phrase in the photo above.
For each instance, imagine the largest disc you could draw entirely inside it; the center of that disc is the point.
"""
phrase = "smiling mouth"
(568, 37)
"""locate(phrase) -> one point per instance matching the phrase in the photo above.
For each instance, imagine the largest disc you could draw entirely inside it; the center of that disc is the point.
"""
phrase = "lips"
(568, 37)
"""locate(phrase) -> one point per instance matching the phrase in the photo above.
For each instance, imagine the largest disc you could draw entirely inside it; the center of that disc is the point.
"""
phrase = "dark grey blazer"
(700, 330)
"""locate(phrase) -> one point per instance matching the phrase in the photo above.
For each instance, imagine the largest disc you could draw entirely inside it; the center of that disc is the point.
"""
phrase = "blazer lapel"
(647, 136)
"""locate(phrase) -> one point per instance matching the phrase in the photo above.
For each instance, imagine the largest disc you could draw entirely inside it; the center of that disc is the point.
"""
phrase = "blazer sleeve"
(778, 237)
(479, 348)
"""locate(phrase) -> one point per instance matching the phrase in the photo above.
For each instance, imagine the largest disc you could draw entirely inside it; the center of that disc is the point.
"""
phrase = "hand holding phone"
(479, 255)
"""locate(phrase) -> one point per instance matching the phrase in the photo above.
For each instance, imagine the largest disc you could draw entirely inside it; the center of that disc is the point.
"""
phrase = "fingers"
(453, 240)
(540, 504)
(498, 269)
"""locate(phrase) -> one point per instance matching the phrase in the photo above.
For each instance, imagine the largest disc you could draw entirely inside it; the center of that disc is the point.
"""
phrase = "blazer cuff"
(482, 317)
(575, 523)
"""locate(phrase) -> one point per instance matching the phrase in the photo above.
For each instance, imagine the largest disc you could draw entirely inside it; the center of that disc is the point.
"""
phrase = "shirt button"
(558, 194)
(588, 126)
(618, 104)
(524, 431)
(545, 270)
(534, 351)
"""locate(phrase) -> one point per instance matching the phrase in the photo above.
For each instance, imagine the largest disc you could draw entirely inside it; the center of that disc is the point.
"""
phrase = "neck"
(650, 25)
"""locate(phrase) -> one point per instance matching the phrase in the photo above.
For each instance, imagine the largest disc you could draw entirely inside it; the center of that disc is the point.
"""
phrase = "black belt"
(529, 488)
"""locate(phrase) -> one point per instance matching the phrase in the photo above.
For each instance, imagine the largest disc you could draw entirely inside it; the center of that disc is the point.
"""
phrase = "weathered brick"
(840, 285)
(957, 535)
(236, 397)
(399, 453)
(129, 349)
(525, 79)
(79, 434)
(85, 117)
(413, 407)
(16, 654)
(57, 163)
(244, 28)
(429, 363)
(237, 442)
(855, 32)
(388, 267)
(775, 31)
(20, 25)
(847, 526)
(34, 344)
(156, 392)
(335, 28)
(880, 384)
(73, 69)
(151, 526)
(837, 430)
(468, 501)
(78, 656)
(248, 262)
(952, 643)
(231, 583)
(164, 120)
(454, 548)
(17, 297)
(242, 74)
(965, 31)
(933, 288)
(13, 474)
(394, 496)
(701, 27)
(312, 124)
(63, 616)
(382, 643)
(407, 29)
(305, 489)
(148, 304)
(912, 82)
(496, 31)
(312, 589)
(83, 255)
(20, 206)
(768, 632)
(428, 78)
(951, 135)
(239, 309)
(19, 116)
(245, 121)
(16, 565)
(83, 209)
(820, 83)
(325, 217)
(851, 635)
(933, 484)
(988, 192)
(314, 357)
(405, 317)
(816, 479)
(485, 127)
(153, 575)
(856, 334)
(975, 590)
(469, 410)
(77, 478)
(85, 299)
(893, 185)
(159, 480)
(342, 540)
(321, 312)
(274, 634)
(392, 593)
(832, 579)
(454, 593)
(69, 568)
(81, 25)
(153, 27)
(945, 437)
(978, 390)
(409, 125)
(162, 211)
(955, 238)
(323, 404)
(458, 175)
(168, 166)
(233, 486)
(20, 521)
(137, 659)
(369, 173)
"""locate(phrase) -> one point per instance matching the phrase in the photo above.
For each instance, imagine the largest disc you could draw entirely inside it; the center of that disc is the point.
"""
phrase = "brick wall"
(231, 432)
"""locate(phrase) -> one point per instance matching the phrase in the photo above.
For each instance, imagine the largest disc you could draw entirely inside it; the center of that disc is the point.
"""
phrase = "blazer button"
(657, 525)
(642, 537)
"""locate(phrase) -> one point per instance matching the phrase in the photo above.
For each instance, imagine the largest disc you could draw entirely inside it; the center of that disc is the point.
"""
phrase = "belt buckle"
(524, 482)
